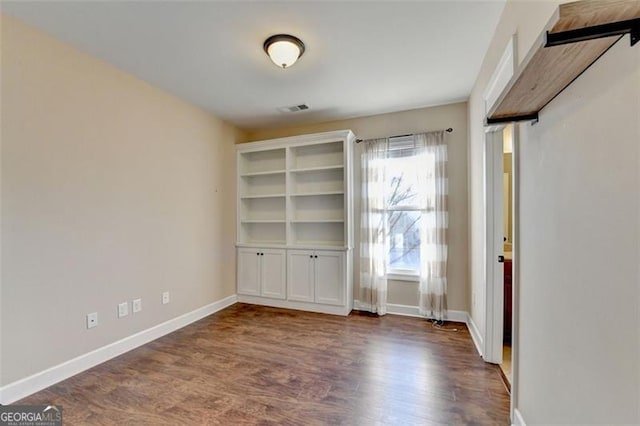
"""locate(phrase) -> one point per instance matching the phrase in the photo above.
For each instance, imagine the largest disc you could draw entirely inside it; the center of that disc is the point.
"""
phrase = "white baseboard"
(411, 311)
(360, 306)
(404, 310)
(475, 334)
(518, 420)
(29, 385)
(414, 311)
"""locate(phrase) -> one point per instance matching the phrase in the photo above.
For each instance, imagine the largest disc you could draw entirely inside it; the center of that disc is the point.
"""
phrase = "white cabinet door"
(249, 271)
(329, 277)
(274, 279)
(300, 275)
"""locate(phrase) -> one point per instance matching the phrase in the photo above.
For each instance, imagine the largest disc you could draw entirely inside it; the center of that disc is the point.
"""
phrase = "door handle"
(500, 259)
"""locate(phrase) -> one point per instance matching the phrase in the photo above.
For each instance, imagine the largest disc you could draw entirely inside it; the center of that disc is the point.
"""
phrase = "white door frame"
(494, 244)
(515, 272)
(494, 271)
(493, 207)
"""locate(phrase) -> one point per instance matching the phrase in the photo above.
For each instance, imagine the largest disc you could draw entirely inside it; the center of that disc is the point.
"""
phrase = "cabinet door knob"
(316, 256)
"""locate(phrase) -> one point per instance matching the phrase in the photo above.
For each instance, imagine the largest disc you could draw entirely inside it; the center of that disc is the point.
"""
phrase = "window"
(404, 219)
(404, 206)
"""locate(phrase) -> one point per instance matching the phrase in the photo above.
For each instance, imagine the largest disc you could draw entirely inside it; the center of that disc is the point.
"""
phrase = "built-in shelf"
(250, 197)
(315, 169)
(263, 221)
(320, 244)
(317, 221)
(295, 190)
(320, 155)
(265, 173)
(262, 163)
(576, 36)
(263, 243)
(315, 246)
(313, 194)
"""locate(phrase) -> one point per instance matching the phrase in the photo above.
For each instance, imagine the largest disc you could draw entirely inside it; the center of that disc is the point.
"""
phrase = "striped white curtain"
(373, 232)
(433, 224)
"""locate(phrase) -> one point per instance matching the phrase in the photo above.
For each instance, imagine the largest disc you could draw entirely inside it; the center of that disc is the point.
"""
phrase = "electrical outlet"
(165, 298)
(92, 320)
(137, 305)
(123, 309)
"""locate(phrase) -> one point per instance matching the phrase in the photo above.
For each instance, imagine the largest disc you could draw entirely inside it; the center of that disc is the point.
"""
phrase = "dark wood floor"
(256, 365)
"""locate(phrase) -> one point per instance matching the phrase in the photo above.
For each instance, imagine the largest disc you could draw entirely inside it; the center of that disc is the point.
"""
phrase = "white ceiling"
(362, 57)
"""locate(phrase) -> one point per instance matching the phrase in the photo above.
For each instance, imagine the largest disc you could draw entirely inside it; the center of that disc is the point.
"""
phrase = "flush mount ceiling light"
(283, 49)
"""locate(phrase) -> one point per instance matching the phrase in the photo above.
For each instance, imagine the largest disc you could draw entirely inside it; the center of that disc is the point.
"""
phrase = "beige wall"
(111, 190)
(414, 121)
(579, 333)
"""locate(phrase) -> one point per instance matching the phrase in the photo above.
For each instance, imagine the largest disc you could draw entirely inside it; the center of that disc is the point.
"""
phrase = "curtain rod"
(449, 130)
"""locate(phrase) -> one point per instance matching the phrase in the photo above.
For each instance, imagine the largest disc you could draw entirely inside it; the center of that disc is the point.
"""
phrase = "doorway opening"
(507, 209)
(501, 252)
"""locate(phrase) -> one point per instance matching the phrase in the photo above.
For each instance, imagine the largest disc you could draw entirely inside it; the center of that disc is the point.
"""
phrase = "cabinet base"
(300, 306)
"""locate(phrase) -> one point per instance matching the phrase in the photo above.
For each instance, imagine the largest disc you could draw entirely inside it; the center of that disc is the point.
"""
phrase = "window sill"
(403, 277)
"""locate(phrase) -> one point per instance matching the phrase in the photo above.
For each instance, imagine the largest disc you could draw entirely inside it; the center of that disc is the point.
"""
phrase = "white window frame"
(403, 143)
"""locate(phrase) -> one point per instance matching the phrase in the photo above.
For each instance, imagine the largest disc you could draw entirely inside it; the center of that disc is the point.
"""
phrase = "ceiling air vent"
(295, 108)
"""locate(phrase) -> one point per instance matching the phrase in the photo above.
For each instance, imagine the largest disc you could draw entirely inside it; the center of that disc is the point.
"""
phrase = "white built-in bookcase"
(295, 214)
(294, 192)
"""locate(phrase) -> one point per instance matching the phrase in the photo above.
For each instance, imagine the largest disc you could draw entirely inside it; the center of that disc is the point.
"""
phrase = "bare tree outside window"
(404, 232)
(403, 216)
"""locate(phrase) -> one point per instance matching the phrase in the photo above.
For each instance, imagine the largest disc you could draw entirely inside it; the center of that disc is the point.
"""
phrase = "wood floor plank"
(259, 365)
